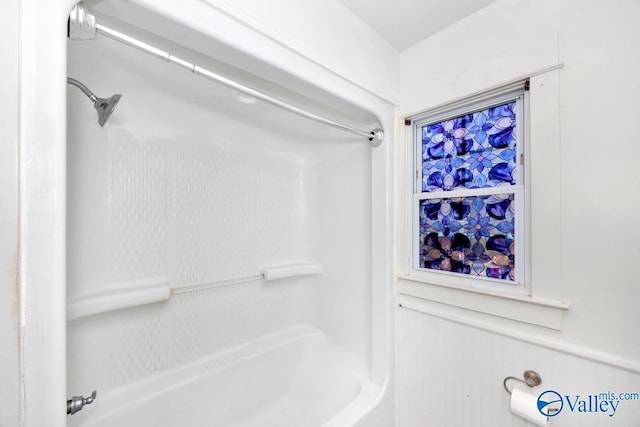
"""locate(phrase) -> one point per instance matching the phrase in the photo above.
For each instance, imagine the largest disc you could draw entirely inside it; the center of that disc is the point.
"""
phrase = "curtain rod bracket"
(81, 24)
(376, 138)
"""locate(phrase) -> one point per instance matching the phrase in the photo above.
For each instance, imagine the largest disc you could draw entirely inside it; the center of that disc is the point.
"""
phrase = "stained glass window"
(476, 150)
(468, 187)
(470, 235)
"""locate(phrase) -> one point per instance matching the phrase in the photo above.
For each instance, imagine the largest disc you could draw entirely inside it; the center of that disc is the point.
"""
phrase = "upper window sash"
(437, 120)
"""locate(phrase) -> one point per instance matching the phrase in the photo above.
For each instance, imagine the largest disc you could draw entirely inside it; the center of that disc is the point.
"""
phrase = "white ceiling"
(406, 22)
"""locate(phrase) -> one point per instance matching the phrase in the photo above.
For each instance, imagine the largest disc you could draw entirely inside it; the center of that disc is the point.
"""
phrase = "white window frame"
(510, 93)
(538, 300)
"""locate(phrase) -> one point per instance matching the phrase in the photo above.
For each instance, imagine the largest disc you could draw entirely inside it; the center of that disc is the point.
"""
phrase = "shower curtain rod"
(83, 26)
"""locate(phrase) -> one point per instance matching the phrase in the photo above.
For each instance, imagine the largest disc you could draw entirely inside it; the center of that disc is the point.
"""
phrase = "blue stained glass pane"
(476, 150)
(469, 235)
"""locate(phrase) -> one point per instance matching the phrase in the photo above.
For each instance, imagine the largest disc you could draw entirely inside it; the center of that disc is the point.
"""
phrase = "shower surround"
(180, 208)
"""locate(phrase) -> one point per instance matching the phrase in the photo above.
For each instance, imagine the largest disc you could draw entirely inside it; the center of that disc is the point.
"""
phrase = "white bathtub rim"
(129, 396)
(368, 398)
(163, 382)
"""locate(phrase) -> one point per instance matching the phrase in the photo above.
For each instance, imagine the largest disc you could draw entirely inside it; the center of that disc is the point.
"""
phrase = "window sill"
(523, 308)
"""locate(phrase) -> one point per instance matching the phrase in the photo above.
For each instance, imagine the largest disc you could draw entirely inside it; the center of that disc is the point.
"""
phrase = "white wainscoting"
(450, 375)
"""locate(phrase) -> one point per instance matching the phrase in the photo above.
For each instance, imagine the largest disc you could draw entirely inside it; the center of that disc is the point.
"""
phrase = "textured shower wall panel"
(346, 243)
(213, 217)
(137, 207)
(206, 322)
(279, 223)
(89, 240)
(217, 214)
(232, 213)
(199, 213)
(191, 213)
(140, 346)
(450, 374)
(114, 349)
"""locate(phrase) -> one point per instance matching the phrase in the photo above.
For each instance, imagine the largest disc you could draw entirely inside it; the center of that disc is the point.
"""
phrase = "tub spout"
(76, 403)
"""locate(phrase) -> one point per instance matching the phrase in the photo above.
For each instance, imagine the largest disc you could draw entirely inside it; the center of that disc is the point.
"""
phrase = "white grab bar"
(159, 290)
(133, 295)
(282, 271)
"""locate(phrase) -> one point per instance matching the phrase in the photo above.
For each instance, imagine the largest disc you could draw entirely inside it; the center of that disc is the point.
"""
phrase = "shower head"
(104, 106)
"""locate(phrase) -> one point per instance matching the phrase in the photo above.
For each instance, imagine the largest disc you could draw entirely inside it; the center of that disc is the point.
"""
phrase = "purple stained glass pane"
(476, 150)
(469, 235)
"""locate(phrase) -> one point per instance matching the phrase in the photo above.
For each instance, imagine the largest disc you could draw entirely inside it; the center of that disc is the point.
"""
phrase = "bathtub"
(227, 261)
(292, 378)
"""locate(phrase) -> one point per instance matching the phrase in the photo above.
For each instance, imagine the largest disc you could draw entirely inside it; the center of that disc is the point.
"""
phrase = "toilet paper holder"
(531, 378)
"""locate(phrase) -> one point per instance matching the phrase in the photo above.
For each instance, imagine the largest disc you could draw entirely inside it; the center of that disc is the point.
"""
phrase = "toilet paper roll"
(525, 405)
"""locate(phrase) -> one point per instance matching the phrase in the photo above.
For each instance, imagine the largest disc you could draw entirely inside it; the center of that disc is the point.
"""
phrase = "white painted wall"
(326, 32)
(598, 44)
(9, 354)
(598, 88)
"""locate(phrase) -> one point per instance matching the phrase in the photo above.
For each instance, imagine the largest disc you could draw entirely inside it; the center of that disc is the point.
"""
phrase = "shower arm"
(83, 26)
(83, 88)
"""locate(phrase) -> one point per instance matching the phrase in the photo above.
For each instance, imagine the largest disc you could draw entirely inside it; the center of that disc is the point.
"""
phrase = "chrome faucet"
(76, 403)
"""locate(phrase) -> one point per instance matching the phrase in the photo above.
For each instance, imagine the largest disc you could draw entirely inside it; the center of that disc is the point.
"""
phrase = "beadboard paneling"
(450, 374)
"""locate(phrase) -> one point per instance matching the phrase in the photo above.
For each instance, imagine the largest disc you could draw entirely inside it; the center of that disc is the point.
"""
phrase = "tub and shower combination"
(227, 260)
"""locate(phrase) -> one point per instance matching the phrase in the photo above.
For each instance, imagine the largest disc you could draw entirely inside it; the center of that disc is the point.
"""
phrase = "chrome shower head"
(104, 106)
